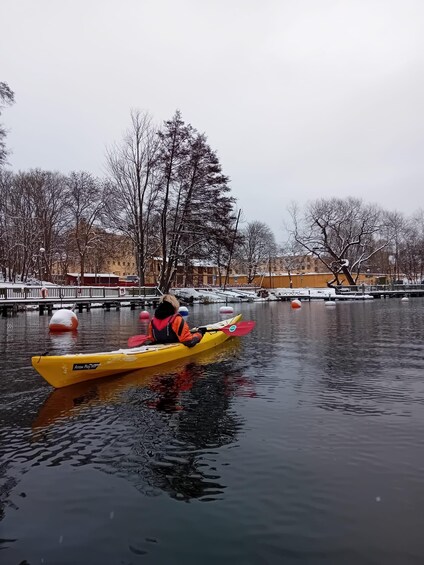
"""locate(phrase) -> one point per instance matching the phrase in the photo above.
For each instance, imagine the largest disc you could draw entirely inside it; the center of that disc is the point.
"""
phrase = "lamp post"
(392, 268)
(41, 251)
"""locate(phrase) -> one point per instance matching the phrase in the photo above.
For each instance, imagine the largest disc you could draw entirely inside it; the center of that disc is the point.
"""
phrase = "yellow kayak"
(65, 370)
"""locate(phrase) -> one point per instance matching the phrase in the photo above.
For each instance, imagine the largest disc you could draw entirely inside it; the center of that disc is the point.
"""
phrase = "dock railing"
(78, 292)
(381, 288)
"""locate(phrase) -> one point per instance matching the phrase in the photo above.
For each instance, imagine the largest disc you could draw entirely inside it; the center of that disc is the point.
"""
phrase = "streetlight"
(392, 268)
(41, 251)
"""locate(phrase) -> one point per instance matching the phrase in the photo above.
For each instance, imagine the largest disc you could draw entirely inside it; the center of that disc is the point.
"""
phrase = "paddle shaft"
(242, 328)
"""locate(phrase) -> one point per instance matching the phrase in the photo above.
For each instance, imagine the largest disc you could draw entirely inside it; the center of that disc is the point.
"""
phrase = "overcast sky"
(301, 99)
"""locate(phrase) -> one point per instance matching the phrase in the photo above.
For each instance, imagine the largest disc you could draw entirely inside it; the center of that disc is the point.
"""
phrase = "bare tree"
(342, 233)
(47, 192)
(220, 245)
(291, 257)
(85, 196)
(21, 236)
(411, 248)
(257, 248)
(104, 247)
(7, 97)
(10, 221)
(32, 218)
(25, 228)
(133, 190)
(394, 231)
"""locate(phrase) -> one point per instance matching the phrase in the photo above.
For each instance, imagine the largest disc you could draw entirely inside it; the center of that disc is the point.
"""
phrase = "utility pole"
(232, 249)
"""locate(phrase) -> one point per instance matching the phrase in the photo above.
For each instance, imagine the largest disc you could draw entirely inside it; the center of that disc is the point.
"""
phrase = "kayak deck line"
(64, 370)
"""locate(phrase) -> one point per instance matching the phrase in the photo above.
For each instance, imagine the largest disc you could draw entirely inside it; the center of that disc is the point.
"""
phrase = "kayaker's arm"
(184, 334)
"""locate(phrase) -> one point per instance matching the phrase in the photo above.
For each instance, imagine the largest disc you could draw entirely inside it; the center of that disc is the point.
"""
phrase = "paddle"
(242, 328)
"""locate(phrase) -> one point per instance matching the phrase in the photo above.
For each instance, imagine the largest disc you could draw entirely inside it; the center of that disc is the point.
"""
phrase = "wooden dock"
(14, 299)
(358, 292)
(385, 291)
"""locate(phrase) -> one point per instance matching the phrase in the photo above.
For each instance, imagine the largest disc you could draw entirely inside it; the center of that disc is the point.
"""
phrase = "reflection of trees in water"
(205, 424)
(7, 484)
(185, 429)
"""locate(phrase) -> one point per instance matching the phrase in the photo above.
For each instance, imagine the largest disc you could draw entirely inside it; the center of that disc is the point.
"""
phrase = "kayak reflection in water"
(168, 326)
(169, 388)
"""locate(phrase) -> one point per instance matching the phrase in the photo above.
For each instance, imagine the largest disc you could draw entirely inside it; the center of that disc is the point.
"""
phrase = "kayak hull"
(65, 370)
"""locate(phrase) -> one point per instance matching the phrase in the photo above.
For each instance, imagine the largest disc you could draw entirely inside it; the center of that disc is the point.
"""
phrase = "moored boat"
(65, 370)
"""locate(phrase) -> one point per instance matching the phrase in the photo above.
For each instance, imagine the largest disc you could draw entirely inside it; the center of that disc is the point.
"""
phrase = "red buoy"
(63, 321)
(144, 315)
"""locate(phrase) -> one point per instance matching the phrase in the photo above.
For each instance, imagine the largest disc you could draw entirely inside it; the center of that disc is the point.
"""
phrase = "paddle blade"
(242, 328)
(136, 340)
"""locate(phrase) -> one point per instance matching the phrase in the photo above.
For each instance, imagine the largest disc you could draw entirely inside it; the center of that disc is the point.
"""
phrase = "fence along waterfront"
(13, 297)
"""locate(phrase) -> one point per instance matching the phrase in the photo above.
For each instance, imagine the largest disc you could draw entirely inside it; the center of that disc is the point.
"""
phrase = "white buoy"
(144, 315)
(183, 310)
(63, 321)
(330, 302)
(226, 310)
(295, 304)
(404, 299)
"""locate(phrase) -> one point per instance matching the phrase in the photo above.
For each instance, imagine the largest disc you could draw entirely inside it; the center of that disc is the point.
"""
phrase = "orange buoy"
(144, 315)
(296, 304)
(63, 321)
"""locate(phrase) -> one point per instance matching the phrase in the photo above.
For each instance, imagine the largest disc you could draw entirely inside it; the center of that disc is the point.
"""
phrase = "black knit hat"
(164, 310)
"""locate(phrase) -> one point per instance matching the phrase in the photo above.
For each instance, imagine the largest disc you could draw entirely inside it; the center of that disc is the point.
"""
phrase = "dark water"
(301, 443)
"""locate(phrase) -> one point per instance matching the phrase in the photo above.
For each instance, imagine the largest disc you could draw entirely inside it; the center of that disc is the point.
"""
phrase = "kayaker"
(168, 326)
